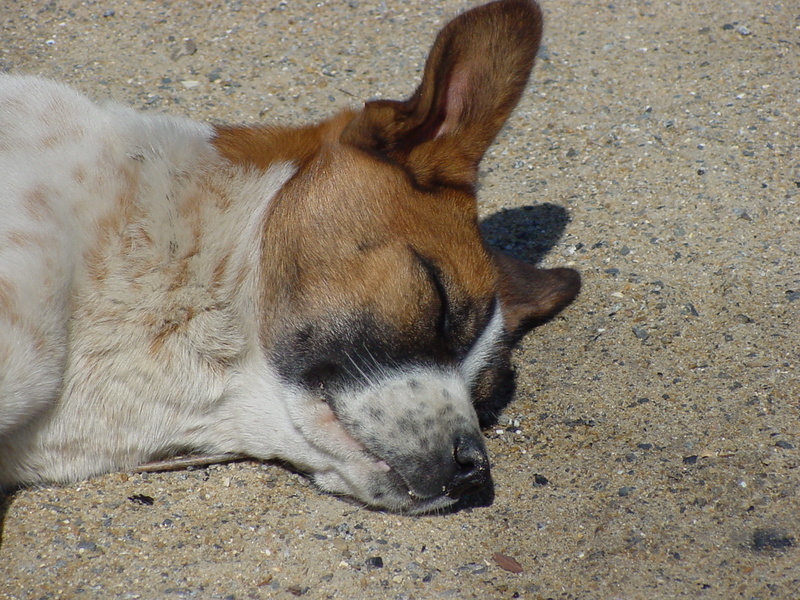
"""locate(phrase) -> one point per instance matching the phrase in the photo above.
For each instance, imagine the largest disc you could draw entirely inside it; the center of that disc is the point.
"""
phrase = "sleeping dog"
(320, 294)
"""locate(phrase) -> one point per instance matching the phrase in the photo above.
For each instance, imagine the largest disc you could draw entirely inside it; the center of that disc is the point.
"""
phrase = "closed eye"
(444, 320)
(459, 323)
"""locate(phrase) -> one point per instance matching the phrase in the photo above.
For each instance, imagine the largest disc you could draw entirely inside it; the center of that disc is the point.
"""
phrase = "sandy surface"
(653, 450)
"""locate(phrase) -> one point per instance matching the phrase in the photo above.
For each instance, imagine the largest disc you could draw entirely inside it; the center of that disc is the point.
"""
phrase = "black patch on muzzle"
(346, 351)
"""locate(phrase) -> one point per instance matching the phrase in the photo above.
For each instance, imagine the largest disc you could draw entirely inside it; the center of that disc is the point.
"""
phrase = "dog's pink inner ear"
(529, 295)
(455, 103)
(474, 76)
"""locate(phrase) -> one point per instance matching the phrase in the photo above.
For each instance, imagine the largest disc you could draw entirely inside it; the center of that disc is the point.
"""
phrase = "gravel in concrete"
(653, 449)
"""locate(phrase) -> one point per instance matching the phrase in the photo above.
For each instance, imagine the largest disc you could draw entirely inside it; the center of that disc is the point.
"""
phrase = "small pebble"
(374, 562)
(296, 590)
(142, 499)
(540, 480)
(87, 546)
(771, 539)
(784, 444)
(472, 568)
(689, 309)
(188, 48)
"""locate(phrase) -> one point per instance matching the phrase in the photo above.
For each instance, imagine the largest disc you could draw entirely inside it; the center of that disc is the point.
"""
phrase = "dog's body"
(320, 295)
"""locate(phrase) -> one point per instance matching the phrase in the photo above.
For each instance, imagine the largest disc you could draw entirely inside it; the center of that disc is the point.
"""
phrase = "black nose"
(472, 466)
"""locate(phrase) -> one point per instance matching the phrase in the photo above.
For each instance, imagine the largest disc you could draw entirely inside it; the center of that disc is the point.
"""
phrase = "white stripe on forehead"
(484, 348)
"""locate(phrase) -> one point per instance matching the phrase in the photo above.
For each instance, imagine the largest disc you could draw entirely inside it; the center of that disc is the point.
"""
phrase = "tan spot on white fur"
(220, 271)
(241, 276)
(138, 237)
(25, 239)
(60, 125)
(108, 231)
(192, 203)
(7, 298)
(79, 174)
(38, 336)
(36, 204)
(60, 136)
(9, 310)
(181, 276)
(95, 266)
(23, 328)
(222, 196)
(168, 326)
(126, 198)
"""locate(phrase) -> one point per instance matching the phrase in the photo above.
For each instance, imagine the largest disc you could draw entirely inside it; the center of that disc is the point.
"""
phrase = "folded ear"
(475, 73)
(531, 296)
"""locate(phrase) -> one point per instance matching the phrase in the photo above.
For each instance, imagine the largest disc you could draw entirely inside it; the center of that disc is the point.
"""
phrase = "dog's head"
(383, 308)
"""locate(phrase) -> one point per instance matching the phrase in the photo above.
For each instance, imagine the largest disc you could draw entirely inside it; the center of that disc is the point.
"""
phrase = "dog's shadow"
(527, 233)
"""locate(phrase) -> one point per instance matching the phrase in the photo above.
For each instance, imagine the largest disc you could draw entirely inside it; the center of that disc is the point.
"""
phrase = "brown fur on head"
(387, 190)
(407, 170)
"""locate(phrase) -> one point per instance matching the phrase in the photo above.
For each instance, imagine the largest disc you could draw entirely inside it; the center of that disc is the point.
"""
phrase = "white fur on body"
(114, 224)
(129, 268)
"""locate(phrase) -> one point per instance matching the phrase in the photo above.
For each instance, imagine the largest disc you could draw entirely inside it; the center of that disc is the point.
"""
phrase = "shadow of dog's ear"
(531, 296)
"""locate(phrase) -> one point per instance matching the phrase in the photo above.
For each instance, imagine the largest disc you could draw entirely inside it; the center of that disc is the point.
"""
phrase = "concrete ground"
(653, 449)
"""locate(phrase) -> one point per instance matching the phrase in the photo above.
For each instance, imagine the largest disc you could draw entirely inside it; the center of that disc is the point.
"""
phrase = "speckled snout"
(424, 427)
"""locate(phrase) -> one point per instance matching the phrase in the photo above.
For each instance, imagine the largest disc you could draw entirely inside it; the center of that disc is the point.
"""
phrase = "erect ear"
(531, 296)
(474, 76)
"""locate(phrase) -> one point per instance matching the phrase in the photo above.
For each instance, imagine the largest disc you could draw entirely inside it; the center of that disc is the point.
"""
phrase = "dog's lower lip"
(429, 505)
